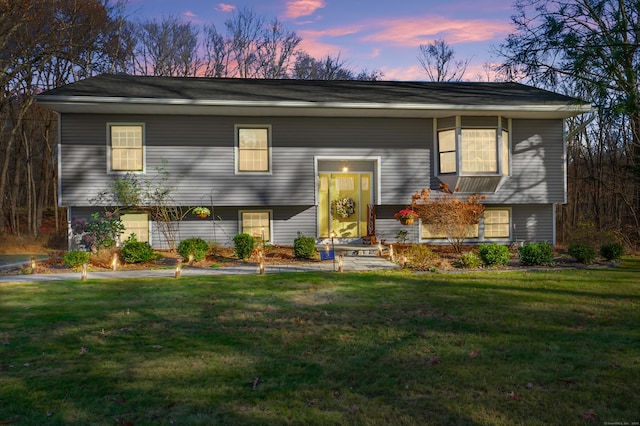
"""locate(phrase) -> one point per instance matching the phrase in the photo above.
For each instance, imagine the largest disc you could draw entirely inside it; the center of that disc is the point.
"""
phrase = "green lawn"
(504, 348)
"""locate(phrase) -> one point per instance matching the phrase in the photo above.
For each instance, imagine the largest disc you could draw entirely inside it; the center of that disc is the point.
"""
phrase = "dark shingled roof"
(309, 91)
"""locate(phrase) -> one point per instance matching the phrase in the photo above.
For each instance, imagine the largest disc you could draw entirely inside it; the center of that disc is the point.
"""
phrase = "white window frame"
(110, 147)
(236, 132)
(268, 238)
(510, 224)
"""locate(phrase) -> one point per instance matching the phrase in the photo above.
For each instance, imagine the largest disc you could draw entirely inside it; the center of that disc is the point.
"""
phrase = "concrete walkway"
(350, 264)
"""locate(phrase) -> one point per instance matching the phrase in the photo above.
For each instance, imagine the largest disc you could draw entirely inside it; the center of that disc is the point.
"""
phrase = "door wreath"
(344, 207)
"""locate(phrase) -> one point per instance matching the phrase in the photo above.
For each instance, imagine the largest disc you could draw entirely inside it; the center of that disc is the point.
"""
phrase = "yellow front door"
(343, 200)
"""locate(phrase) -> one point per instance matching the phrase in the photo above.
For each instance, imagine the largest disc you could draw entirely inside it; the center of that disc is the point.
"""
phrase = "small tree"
(449, 215)
(152, 195)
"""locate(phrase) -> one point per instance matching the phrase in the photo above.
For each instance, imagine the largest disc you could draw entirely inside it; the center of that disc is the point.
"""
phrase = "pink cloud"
(226, 7)
(319, 50)
(416, 31)
(298, 8)
(190, 14)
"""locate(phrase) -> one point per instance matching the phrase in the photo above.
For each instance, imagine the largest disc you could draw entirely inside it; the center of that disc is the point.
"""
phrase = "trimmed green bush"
(469, 260)
(304, 247)
(134, 251)
(196, 247)
(612, 251)
(583, 253)
(494, 254)
(75, 258)
(536, 254)
(243, 246)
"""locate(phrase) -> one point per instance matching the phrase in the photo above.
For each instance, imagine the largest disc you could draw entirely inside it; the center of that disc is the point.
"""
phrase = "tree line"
(584, 48)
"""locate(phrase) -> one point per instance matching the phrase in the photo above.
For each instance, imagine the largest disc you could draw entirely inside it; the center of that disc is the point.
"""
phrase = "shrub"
(494, 254)
(421, 258)
(196, 247)
(469, 260)
(611, 251)
(100, 232)
(583, 253)
(304, 247)
(75, 258)
(243, 246)
(134, 251)
(536, 254)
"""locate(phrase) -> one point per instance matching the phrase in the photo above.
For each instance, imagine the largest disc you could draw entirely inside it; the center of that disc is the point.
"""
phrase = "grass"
(557, 347)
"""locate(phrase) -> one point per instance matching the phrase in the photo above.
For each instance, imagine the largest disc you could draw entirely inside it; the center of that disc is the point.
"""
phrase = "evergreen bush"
(536, 254)
(611, 251)
(243, 245)
(469, 260)
(75, 258)
(494, 254)
(134, 251)
(583, 253)
(196, 247)
(304, 247)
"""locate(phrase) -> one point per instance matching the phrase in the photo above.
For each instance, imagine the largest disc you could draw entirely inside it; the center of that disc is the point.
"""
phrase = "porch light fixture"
(345, 167)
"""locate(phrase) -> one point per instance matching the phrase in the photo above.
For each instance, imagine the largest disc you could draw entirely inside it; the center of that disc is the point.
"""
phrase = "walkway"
(350, 264)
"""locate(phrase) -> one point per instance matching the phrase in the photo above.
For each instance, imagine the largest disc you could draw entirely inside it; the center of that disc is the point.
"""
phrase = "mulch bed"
(224, 257)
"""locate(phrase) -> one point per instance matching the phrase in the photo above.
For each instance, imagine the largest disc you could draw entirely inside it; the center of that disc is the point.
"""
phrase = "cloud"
(298, 8)
(416, 31)
(226, 7)
(190, 14)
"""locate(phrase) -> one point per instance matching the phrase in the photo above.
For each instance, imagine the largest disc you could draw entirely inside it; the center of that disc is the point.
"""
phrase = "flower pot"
(202, 215)
(408, 221)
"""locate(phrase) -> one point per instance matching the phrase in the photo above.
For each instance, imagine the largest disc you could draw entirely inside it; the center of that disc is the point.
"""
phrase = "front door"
(343, 200)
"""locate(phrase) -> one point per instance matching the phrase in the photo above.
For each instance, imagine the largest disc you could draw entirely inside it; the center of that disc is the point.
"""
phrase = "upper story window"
(473, 145)
(253, 149)
(473, 152)
(126, 146)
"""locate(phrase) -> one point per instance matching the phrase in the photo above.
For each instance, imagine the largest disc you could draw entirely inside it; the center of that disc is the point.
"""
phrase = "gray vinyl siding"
(535, 223)
(537, 164)
(287, 221)
(198, 152)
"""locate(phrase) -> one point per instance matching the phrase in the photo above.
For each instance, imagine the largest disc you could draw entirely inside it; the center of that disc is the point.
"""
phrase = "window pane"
(138, 224)
(448, 162)
(253, 138)
(253, 150)
(479, 154)
(496, 224)
(447, 149)
(447, 140)
(253, 224)
(428, 231)
(126, 148)
(253, 161)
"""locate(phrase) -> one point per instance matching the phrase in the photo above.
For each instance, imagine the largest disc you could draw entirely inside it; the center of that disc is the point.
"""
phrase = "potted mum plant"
(406, 216)
(201, 212)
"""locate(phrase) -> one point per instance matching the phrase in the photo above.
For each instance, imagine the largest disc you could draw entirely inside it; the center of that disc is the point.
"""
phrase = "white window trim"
(236, 148)
(144, 148)
(269, 211)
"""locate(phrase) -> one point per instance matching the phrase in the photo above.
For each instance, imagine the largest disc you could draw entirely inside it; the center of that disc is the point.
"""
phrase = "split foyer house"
(321, 158)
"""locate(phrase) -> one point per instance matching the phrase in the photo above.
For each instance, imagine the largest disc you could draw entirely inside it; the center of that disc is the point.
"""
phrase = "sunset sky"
(382, 35)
